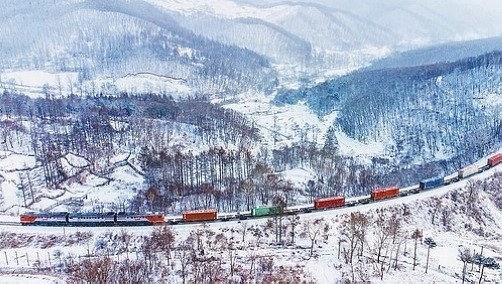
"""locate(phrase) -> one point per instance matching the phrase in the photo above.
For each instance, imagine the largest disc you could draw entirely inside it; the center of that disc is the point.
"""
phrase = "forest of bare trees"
(419, 111)
(361, 245)
(196, 154)
(161, 135)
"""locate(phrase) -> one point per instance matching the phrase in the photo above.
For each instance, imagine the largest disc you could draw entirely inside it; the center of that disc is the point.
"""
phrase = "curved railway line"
(64, 219)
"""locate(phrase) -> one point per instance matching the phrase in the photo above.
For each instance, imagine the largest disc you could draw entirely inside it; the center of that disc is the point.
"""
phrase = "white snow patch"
(298, 176)
(29, 279)
(36, 83)
(221, 8)
(352, 147)
(151, 83)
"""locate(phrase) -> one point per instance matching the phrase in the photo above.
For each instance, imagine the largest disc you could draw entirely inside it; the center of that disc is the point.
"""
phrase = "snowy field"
(288, 124)
(39, 83)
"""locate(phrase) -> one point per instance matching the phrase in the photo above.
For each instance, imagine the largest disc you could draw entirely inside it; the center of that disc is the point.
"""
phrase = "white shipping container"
(468, 171)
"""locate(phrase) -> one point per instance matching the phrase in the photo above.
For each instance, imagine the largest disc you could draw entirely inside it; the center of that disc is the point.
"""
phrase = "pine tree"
(487, 262)
(430, 244)
(466, 257)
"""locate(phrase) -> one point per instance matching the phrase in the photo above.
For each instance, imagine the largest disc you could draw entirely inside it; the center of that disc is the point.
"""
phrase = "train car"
(44, 219)
(135, 219)
(329, 202)
(468, 171)
(431, 183)
(383, 193)
(266, 210)
(92, 219)
(495, 160)
(200, 215)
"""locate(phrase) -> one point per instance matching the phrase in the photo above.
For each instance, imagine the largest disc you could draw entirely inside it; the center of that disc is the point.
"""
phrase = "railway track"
(299, 209)
(8, 223)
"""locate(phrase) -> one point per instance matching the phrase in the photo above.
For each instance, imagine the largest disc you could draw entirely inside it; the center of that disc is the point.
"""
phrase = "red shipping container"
(383, 193)
(494, 160)
(329, 202)
(200, 215)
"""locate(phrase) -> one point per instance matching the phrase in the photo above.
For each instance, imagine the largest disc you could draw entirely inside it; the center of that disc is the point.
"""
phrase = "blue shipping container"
(432, 182)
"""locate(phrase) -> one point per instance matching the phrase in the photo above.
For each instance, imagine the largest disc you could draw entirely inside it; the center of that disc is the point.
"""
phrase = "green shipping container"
(264, 211)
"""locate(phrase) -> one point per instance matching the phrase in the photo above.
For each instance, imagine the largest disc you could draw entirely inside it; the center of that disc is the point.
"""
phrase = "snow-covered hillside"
(103, 41)
(173, 105)
(318, 253)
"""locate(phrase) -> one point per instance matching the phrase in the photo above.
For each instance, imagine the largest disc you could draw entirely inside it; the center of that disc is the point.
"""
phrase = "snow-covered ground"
(444, 265)
(39, 83)
(14, 278)
(297, 123)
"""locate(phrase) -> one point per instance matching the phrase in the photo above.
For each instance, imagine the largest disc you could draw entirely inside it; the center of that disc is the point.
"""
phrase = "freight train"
(134, 219)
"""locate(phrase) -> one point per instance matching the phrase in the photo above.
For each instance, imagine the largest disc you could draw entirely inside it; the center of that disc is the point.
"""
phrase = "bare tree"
(394, 227)
(354, 230)
(312, 230)
(293, 220)
(125, 238)
(436, 207)
(382, 232)
(243, 230)
(97, 270)
(184, 252)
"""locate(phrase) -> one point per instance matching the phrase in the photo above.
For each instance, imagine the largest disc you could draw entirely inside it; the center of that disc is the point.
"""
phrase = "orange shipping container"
(200, 215)
(383, 193)
(329, 202)
(494, 160)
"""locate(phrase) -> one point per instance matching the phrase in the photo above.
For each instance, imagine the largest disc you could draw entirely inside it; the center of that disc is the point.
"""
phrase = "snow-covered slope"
(439, 214)
(187, 40)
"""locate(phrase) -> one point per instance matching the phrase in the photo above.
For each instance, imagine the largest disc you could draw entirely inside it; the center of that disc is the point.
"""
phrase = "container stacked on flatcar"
(431, 183)
(495, 160)
(136, 219)
(468, 171)
(329, 202)
(200, 215)
(383, 193)
(266, 210)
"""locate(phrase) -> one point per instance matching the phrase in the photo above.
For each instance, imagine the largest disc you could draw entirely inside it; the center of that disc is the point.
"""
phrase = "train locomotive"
(90, 219)
(208, 215)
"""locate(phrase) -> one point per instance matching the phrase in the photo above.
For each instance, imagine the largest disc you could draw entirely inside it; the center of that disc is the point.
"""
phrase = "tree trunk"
(427, 263)
(463, 272)
(482, 271)
(397, 254)
(415, 254)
